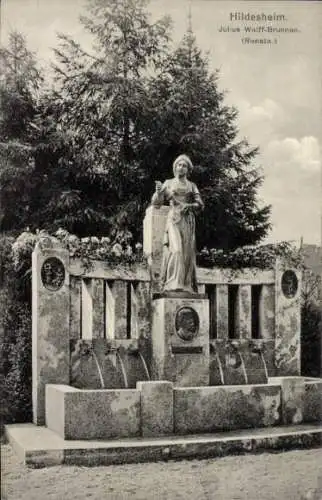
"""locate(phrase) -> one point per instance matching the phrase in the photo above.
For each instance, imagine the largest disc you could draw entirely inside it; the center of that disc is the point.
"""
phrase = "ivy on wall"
(260, 257)
(122, 251)
(117, 252)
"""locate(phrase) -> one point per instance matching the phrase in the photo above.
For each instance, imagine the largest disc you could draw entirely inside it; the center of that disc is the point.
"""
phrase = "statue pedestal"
(180, 340)
(153, 233)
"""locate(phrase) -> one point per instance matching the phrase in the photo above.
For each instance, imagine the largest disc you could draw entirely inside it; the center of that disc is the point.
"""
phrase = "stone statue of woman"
(178, 270)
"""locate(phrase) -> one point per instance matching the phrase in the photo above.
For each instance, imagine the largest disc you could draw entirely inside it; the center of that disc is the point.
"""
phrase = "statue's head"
(183, 159)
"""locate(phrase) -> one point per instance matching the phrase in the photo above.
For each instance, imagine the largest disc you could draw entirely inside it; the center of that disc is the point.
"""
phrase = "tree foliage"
(113, 123)
(20, 83)
(104, 105)
(19, 87)
(15, 334)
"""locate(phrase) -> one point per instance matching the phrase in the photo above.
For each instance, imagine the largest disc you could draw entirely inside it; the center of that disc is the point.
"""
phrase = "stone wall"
(158, 408)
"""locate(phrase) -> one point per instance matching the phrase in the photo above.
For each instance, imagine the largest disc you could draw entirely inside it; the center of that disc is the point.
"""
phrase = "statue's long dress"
(178, 271)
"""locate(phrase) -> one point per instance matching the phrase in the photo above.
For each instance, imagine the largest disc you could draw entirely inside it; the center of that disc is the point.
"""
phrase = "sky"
(276, 87)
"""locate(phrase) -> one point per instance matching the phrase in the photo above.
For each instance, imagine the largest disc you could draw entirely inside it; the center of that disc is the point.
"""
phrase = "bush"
(15, 335)
(16, 394)
(311, 340)
(260, 257)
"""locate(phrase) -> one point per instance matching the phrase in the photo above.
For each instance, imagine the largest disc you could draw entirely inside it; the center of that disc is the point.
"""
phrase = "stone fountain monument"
(141, 363)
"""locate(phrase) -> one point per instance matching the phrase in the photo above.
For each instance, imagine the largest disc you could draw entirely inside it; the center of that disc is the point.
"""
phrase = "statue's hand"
(158, 186)
(186, 207)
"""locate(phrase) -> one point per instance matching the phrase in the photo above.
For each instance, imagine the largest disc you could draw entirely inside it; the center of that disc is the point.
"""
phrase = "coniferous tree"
(104, 103)
(19, 86)
(192, 118)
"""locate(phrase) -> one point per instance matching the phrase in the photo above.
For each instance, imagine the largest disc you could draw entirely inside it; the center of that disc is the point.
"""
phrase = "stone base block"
(92, 414)
(156, 408)
(313, 402)
(210, 409)
(293, 390)
(41, 447)
(56, 396)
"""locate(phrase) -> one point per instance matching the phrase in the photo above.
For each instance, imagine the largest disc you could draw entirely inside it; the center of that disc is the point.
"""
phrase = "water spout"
(221, 371)
(264, 363)
(123, 370)
(98, 369)
(243, 366)
(145, 366)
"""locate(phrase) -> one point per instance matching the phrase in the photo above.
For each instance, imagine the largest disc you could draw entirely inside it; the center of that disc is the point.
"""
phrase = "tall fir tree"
(104, 102)
(192, 118)
(19, 88)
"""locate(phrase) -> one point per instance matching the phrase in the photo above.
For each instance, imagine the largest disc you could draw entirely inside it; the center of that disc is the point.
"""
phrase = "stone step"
(40, 447)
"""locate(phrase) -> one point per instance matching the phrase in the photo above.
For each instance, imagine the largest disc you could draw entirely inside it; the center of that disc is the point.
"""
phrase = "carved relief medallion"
(289, 284)
(187, 323)
(53, 274)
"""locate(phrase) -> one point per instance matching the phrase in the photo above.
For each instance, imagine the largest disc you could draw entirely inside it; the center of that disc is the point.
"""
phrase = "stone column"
(287, 320)
(116, 309)
(134, 311)
(98, 326)
(93, 308)
(87, 310)
(75, 307)
(156, 408)
(244, 312)
(267, 312)
(140, 310)
(143, 320)
(50, 321)
(222, 311)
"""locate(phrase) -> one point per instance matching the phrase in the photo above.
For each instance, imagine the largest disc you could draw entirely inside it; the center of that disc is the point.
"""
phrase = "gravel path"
(293, 475)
